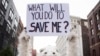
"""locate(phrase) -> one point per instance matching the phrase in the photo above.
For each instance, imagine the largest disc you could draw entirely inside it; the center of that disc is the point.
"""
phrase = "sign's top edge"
(46, 3)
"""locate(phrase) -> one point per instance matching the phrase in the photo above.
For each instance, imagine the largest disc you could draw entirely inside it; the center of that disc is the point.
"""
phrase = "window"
(14, 27)
(11, 15)
(5, 3)
(94, 52)
(99, 51)
(92, 32)
(71, 20)
(5, 42)
(74, 20)
(1, 12)
(93, 41)
(74, 26)
(91, 22)
(86, 24)
(98, 26)
(8, 28)
(98, 38)
(1, 20)
(97, 16)
(16, 22)
(13, 34)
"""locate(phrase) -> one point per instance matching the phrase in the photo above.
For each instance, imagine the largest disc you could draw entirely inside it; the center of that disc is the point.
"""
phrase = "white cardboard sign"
(48, 19)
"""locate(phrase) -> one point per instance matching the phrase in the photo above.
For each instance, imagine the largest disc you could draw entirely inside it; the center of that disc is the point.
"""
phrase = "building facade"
(9, 22)
(80, 27)
(19, 29)
(94, 30)
(85, 37)
(61, 44)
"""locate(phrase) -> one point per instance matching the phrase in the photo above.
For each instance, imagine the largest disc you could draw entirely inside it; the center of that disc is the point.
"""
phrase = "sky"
(80, 8)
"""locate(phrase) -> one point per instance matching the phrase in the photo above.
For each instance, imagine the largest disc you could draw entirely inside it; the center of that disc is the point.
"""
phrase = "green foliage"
(6, 52)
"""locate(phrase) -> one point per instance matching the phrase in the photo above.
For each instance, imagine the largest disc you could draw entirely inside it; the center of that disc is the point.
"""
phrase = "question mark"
(66, 22)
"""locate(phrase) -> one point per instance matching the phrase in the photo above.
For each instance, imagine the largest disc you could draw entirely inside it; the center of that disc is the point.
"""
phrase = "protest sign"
(48, 19)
